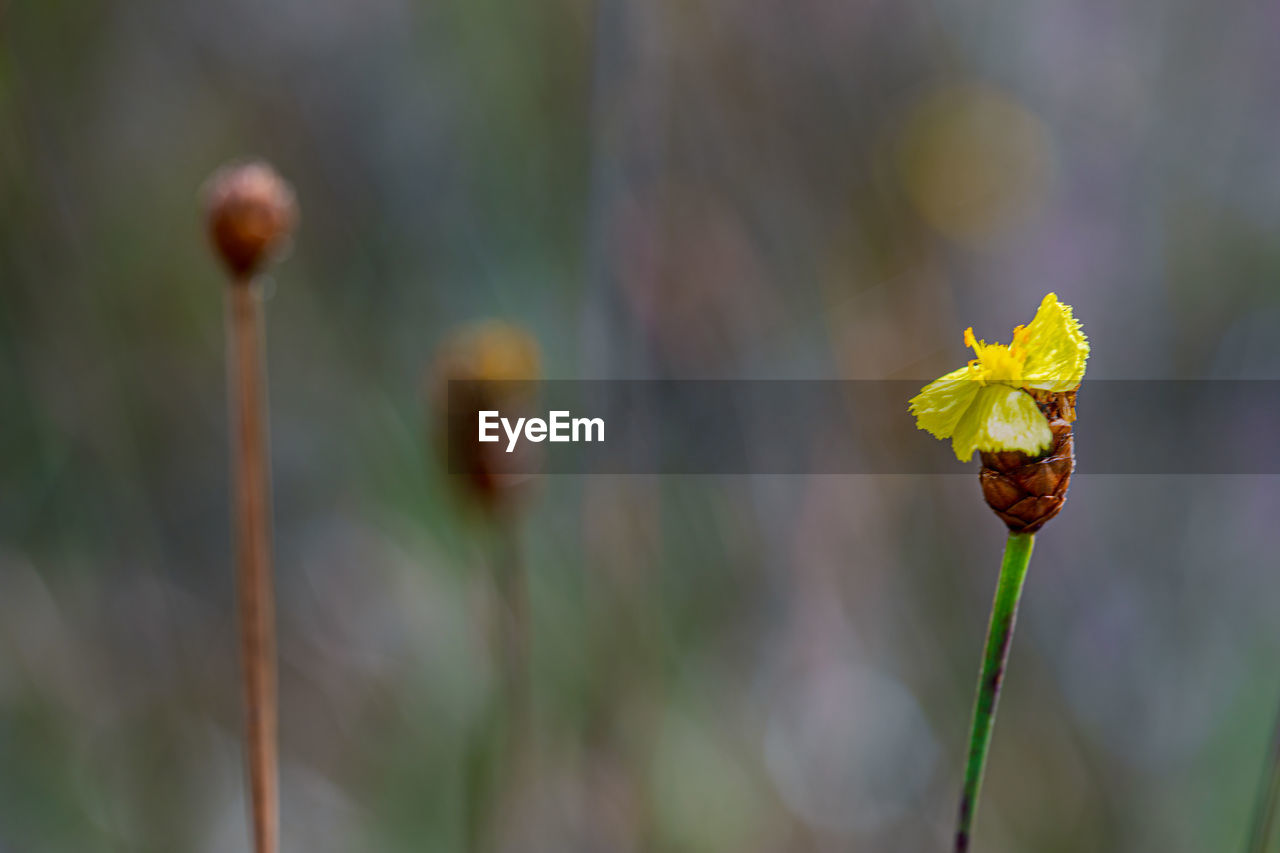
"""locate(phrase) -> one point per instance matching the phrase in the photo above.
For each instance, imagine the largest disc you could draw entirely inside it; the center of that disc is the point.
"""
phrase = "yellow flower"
(985, 405)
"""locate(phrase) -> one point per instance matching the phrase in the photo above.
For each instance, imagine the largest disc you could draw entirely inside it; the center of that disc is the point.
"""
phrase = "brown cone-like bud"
(1027, 491)
(251, 214)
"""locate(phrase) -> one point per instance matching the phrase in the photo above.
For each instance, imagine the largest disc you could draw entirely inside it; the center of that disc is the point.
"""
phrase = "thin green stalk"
(1264, 813)
(513, 623)
(505, 729)
(1004, 612)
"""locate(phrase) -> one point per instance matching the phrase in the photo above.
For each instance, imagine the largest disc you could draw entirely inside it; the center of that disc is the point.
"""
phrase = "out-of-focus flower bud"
(490, 366)
(251, 213)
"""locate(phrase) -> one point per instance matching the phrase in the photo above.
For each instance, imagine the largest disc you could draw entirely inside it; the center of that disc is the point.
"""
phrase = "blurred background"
(801, 189)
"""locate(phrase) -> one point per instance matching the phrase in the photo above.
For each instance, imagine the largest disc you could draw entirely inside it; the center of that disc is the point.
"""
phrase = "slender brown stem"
(251, 514)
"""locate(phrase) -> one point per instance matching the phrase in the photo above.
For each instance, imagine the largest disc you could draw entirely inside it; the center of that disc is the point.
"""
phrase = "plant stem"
(1004, 612)
(513, 623)
(1264, 813)
(503, 734)
(250, 509)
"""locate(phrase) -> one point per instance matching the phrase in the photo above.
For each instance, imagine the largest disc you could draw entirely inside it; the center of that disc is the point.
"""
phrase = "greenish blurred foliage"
(654, 189)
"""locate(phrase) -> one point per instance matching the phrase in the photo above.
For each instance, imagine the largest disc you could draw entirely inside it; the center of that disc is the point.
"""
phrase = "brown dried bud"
(1024, 491)
(251, 214)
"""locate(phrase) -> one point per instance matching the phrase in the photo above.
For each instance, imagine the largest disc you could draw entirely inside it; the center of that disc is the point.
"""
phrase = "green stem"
(1264, 812)
(505, 731)
(1004, 612)
(513, 640)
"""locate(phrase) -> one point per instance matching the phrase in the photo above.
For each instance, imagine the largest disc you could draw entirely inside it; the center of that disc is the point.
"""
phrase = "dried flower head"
(251, 213)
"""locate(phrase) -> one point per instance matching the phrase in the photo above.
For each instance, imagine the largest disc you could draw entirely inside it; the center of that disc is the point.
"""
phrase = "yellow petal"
(1056, 349)
(940, 404)
(1001, 418)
